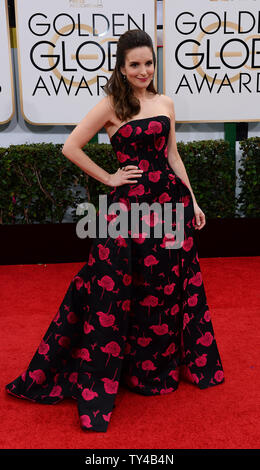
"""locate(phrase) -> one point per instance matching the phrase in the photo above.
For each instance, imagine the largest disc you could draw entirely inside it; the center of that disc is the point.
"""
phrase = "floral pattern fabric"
(136, 313)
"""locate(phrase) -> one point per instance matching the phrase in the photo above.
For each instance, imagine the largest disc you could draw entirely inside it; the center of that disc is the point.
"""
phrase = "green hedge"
(249, 174)
(38, 183)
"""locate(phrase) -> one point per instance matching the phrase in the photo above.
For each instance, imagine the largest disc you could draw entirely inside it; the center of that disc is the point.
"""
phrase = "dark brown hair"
(125, 104)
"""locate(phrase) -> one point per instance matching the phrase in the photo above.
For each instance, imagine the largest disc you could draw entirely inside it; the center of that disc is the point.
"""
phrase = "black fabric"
(136, 313)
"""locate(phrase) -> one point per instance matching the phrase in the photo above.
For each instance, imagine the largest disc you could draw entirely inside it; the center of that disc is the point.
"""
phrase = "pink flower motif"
(64, 341)
(107, 417)
(164, 391)
(85, 421)
(164, 197)
(149, 301)
(168, 289)
(201, 361)
(120, 241)
(144, 165)
(154, 127)
(150, 260)
(56, 391)
(88, 394)
(82, 353)
(126, 305)
(37, 376)
(151, 219)
(72, 318)
(170, 350)
(73, 377)
(205, 339)
(91, 260)
(187, 244)
(186, 320)
(175, 374)
(111, 348)
(207, 315)
(88, 327)
(185, 200)
(197, 279)
(124, 204)
(133, 380)
(43, 348)
(148, 365)
(106, 283)
(103, 252)
(219, 375)
(138, 130)
(175, 309)
(110, 385)
(127, 279)
(154, 176)
(78, 282)
(159, 143)
(168, 240)
(105, 319)
(142, 341)
(140, 239)
(160, 329)
(137, 191)
(122, 157)
(172, 177)
(193, 300)
(126, 130)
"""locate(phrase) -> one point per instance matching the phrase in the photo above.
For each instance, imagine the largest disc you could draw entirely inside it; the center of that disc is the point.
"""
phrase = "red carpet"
(219, 417)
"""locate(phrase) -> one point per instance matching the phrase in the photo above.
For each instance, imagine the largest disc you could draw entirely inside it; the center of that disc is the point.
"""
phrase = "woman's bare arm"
(82, 134)
(174, 157)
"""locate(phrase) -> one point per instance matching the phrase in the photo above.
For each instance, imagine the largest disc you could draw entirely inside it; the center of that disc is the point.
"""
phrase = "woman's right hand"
(124, 176)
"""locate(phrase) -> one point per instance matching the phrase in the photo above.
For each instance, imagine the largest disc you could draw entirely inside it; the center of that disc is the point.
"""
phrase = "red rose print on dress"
(161, 329)
(154, 127)
(150, 301)
(37, 376)
(122, 157)
(144, 165)
(159, 143)
(88, 394)
(150, 261)
(110, 385)
(154, 176)
(56, 391)
(137, 302)
(85, 421)
(126, 130)
(165, 197)
(106, 283)
(148, 365)
(111, 348)
(138, 130)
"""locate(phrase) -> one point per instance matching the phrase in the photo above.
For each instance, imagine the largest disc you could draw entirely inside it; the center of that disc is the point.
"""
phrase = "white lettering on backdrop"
(212, 59)
(66, 51)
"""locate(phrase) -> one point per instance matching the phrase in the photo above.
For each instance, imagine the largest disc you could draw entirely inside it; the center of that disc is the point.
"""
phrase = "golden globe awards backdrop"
(212, 59)
(6, 76)
(66, 52)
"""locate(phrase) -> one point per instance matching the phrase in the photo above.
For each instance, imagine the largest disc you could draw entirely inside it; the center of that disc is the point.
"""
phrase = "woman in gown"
(137, 311)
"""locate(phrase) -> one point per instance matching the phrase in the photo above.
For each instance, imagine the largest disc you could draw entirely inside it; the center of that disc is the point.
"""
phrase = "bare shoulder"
(97, 118)
(104, 106)
(167, 101)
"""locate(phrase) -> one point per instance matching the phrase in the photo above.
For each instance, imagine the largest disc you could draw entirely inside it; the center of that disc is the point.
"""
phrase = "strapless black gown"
(136, 313)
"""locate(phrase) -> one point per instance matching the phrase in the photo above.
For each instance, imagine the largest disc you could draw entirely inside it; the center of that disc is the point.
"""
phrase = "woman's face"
(139, 67)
